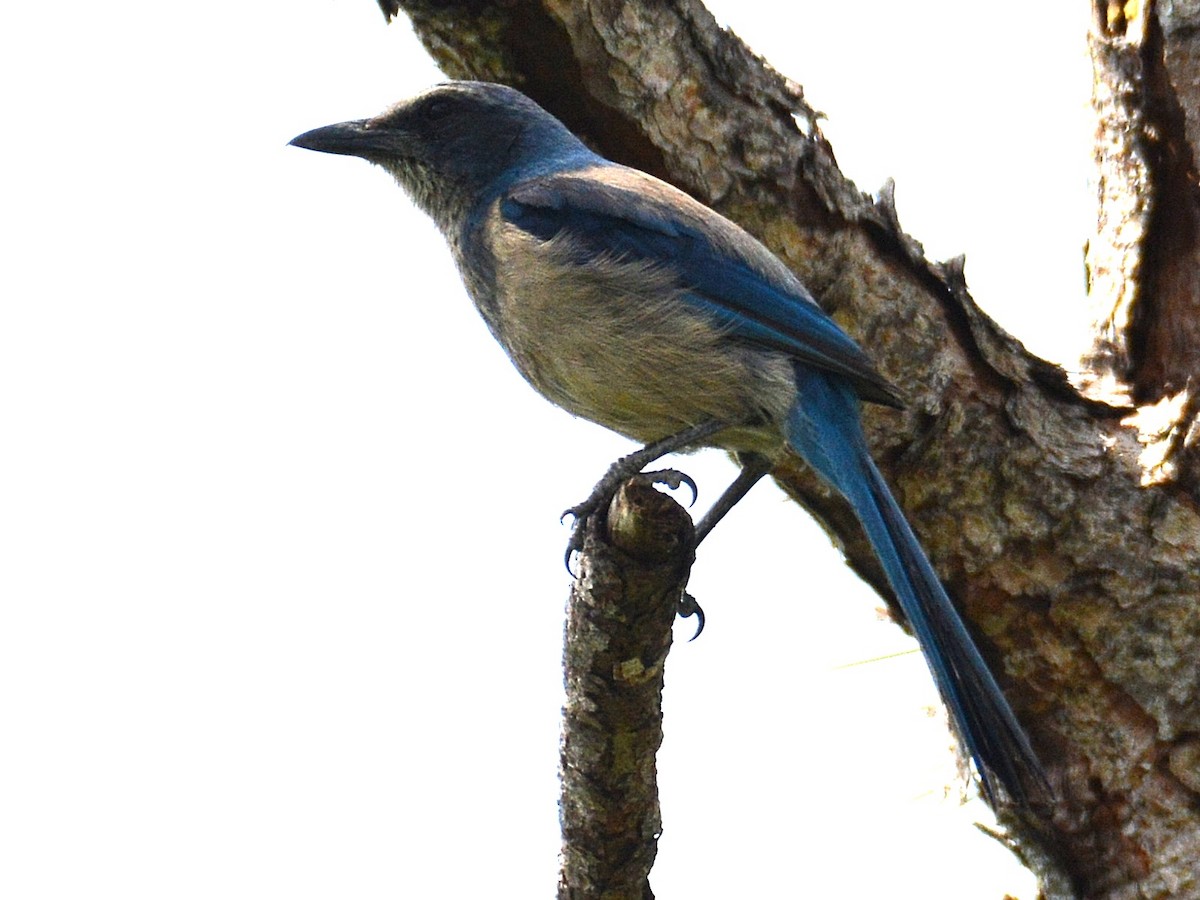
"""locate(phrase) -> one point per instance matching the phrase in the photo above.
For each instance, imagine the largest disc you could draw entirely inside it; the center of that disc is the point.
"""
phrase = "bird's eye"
(436, 109)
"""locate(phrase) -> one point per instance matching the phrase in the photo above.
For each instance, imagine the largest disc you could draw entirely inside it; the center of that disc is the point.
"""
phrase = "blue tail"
(824, 428)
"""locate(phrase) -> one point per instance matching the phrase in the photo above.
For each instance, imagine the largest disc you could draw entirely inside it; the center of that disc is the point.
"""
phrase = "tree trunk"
(1062, 518)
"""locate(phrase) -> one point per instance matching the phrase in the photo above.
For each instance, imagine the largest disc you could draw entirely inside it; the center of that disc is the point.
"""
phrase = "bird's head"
(454, 144)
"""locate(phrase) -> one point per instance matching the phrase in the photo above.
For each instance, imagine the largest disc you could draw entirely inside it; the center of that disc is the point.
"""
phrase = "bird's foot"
(631, 467)
(602, 495)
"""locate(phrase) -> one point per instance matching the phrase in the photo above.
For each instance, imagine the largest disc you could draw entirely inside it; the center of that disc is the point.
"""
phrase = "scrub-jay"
(625, 301)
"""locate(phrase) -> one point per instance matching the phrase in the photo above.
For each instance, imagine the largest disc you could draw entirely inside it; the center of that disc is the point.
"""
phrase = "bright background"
(281, 588)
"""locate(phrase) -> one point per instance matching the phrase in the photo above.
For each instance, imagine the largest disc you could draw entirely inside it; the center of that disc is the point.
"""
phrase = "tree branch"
(632, 571)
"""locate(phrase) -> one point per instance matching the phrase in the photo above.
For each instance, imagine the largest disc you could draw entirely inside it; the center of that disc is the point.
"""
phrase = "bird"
(627, 302)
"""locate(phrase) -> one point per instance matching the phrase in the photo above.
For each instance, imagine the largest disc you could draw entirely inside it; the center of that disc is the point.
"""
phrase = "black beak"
(346, 139)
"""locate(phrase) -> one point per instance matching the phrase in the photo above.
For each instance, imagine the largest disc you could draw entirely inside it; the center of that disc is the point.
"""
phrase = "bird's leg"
(630, 466)
(754, 467)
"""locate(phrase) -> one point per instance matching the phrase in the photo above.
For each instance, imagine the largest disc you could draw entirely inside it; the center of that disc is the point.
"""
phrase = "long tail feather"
(825, 430)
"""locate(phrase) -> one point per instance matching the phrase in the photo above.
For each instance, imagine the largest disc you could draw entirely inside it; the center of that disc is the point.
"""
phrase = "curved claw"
(579, 513)
(574, 544)
(673, 479)
(688, 607)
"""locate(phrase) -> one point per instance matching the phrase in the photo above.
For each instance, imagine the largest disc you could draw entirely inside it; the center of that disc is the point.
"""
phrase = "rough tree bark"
(1064, 519)
(1143, 261)
(632, 571)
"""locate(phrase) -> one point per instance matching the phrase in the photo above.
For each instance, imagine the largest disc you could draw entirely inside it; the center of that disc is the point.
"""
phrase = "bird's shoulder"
(621, 198)
(609, 190)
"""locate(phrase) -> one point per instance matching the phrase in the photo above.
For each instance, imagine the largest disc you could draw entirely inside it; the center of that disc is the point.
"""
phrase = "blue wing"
(611, 210)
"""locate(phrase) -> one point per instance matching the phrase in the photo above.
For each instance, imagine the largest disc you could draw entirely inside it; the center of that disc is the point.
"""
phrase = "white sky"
(280, 559)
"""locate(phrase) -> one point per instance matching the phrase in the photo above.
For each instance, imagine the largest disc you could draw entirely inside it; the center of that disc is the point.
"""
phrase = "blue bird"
(625, 301)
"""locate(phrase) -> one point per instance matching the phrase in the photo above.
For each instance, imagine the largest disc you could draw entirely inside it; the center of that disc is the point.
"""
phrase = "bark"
(1144, 261)
(632, 571)
(1067, 528)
